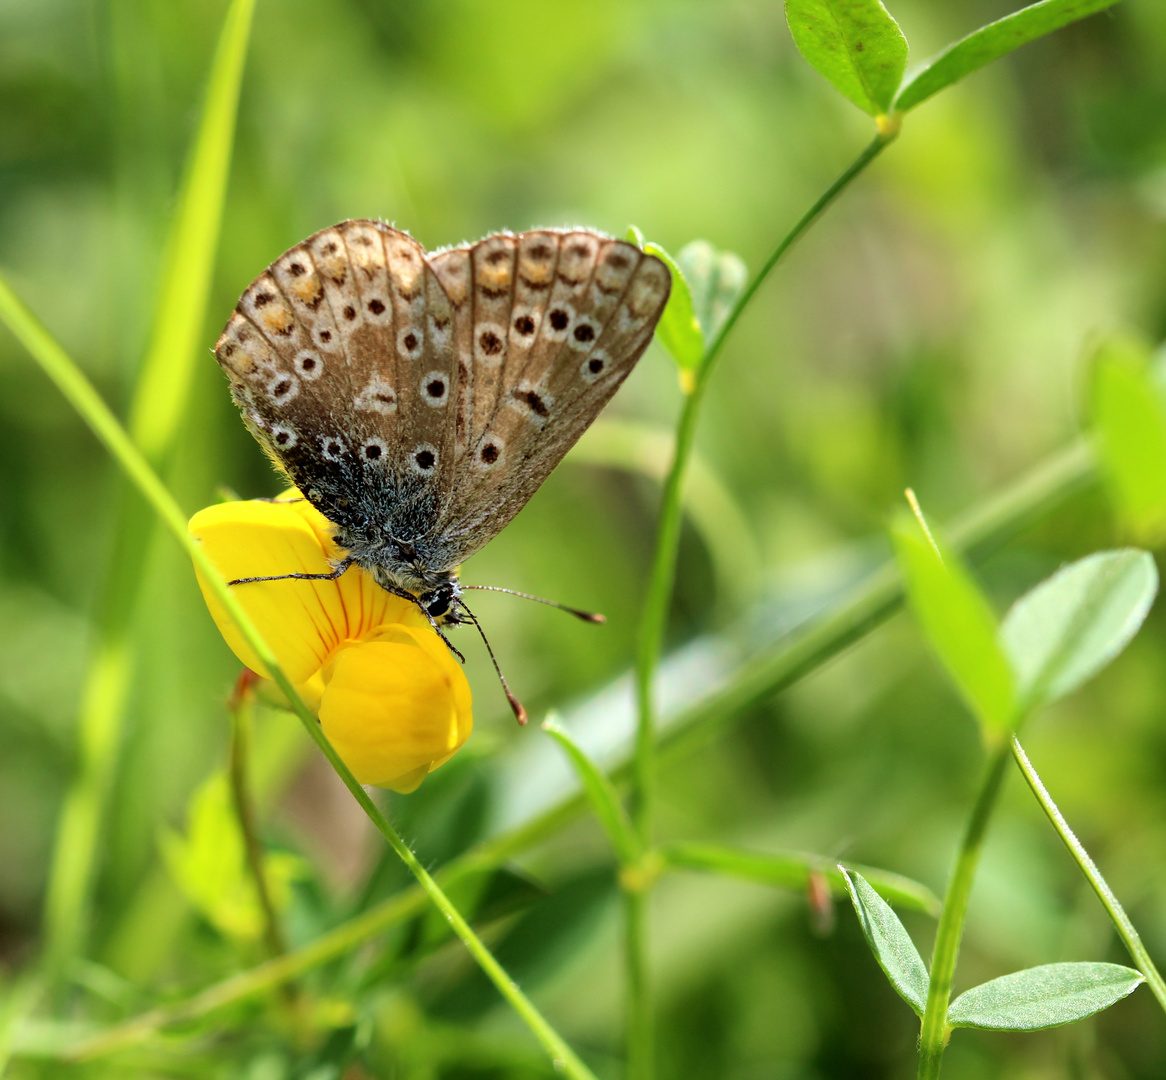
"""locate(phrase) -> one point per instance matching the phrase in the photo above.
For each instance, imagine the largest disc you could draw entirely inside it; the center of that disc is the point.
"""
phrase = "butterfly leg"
(341, 566)
(404, 594)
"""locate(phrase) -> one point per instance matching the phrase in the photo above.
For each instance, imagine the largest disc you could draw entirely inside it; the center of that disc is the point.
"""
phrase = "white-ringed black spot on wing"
(379, 311)
(323, 337)
(489, 343)
(594, 366)
(332, 447)
(423, 459)
(409, 342)
(435, 388)
(377, 396)
(558, 321)
(308, 364)
(282, 387)
(524, 322)
(489, 452)
(374, 451)
(283, 436)
(534, 402)
(583, 333)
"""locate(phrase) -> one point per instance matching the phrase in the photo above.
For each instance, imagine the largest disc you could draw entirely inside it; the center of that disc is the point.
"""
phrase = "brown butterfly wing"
(558, 321)
(340, 358)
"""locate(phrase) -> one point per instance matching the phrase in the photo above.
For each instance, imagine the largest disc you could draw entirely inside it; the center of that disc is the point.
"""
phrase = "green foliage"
(889, 941)
(1043, 997)
(1074, 623)
(834, 394)
(855, 44)
(1128, 411)
(209, 864)
(959, 624)
(990, 43)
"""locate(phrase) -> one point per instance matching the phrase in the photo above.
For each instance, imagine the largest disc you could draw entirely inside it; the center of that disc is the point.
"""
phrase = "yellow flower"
(389, 696)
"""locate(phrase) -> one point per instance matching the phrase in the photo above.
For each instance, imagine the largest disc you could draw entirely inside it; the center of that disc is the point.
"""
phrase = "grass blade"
(601, 794)
(792, 870)
(156, 413)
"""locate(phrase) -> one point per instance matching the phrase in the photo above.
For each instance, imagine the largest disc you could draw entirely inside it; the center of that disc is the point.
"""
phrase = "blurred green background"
(930, 332)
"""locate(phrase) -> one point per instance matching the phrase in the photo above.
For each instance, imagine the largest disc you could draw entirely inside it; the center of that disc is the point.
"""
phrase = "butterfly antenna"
(515, 704)
(586, 616)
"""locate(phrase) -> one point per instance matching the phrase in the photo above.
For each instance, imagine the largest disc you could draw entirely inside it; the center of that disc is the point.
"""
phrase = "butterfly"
(417, 399)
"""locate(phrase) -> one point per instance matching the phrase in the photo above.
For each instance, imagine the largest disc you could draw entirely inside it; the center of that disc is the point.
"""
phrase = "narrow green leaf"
(990, 43)
(792, 869)
(716, 280)
(180, 309)
(1128, 409)
(1043, 997)
(958, 623)
(1074, 623)
(678, 330)
(855, 44)
(635, 236)
(601, 794)
(889, 941)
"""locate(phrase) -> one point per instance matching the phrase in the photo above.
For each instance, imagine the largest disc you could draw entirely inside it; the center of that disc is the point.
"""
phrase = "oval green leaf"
(855, 44)
(889, 941)
(1074, 623)
(959, 624)
(1043, 997)
(991, 42)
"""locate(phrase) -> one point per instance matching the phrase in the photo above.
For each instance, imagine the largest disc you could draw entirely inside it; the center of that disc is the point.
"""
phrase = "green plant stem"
(805, 649)
(242, 712)
(655, 617)
(663, 572)
(934, 1034)
(81, 394)
(1121, 921)
(641, 1036)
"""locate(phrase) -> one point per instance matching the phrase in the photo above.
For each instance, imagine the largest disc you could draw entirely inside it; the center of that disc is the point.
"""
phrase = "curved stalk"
(655, 617)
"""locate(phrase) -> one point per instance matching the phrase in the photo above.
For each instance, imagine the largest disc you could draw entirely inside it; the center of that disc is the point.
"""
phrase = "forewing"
(581, 309)
(338, 356)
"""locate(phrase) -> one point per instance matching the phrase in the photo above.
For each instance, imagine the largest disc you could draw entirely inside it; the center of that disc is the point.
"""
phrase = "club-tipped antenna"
(515, 704)
(586, 616)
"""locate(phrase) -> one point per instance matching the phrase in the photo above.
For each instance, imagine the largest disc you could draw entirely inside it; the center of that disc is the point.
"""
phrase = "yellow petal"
(304, 622)
(396, 707)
